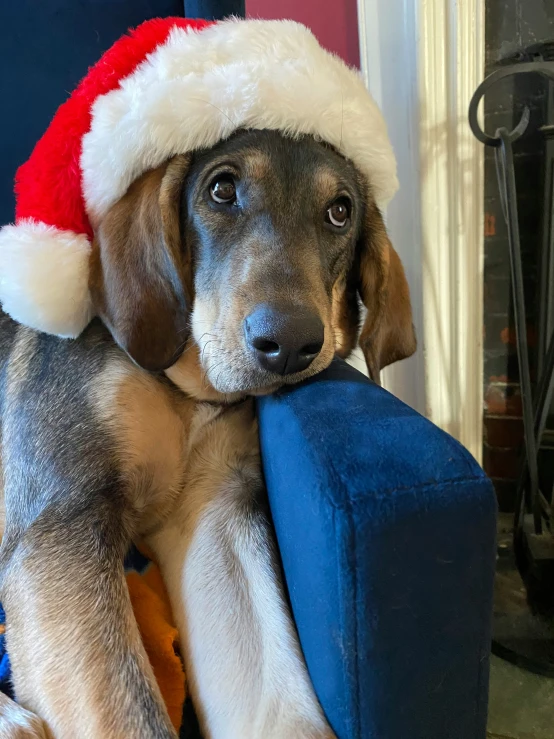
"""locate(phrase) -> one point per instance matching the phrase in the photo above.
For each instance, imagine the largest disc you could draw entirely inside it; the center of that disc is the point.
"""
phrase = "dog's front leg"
(244, 665)
(77, 658)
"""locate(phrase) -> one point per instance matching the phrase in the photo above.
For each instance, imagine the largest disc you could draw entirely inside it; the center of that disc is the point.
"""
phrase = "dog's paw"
(18, 723)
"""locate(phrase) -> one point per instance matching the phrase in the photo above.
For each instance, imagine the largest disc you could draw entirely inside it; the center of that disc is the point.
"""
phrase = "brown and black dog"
(235, 270)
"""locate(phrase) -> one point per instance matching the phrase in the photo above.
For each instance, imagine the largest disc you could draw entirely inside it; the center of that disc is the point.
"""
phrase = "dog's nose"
(284, 339)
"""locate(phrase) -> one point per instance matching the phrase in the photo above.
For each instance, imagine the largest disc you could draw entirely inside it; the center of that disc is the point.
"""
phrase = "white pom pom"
(44, 278)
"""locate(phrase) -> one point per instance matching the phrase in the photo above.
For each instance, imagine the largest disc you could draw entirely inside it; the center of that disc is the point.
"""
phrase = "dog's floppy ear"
(388, 333)
(140, 273)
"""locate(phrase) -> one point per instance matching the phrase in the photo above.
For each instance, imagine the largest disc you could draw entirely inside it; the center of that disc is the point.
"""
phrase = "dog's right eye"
(223, 190)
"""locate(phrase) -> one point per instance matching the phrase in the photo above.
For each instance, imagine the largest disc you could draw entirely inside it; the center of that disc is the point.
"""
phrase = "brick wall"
(511, 25)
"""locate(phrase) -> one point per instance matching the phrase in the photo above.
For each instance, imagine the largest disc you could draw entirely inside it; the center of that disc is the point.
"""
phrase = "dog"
(221, 275)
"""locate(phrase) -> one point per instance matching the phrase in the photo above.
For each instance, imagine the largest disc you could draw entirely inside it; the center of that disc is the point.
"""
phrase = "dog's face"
(257, 250)
(272, 224)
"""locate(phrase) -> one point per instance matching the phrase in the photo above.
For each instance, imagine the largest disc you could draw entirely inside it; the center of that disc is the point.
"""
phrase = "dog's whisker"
(189, 347)
(211, 341)
(211, 370)
(214, 366)
(180, 348)
(242, 375)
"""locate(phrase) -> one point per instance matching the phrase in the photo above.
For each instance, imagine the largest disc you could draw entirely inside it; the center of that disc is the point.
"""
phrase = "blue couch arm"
(386, 529)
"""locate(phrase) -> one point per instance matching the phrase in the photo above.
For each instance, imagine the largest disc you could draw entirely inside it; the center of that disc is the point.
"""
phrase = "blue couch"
(386, 529)
(385, 525)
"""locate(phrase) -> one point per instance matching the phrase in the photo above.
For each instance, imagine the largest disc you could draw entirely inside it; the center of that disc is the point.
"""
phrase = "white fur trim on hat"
(197, 88)
(43, 271)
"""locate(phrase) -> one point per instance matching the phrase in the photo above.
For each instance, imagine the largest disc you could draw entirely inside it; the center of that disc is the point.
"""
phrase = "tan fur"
(89, 705)
(326, 183)
(22, 351)
(20, 356)
(388, 333)
(341, 323)
(151, 425)
(140, 275)
(259, 165)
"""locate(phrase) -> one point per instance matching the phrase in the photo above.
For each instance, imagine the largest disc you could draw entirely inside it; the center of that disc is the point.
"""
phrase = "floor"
(521, 703)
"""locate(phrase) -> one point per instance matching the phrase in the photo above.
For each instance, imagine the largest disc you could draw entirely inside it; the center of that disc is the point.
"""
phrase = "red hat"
(170, 86)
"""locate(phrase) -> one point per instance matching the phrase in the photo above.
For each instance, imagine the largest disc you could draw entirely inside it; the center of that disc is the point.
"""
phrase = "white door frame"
(422, 60)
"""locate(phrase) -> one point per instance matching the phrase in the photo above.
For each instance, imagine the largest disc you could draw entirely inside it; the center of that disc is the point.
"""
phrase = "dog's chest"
(150, 425)
(158, 430)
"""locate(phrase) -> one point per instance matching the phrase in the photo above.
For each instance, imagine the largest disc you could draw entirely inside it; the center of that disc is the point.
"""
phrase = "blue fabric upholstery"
(386, 528)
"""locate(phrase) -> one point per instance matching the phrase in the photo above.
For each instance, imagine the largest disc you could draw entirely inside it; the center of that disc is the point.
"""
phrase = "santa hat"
(170, 86)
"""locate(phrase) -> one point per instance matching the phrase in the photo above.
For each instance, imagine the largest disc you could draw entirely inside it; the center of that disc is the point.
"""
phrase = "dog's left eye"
(223, 190)
(338, 214)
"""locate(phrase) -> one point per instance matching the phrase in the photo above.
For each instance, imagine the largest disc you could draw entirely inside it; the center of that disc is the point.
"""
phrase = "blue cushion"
(386, 528)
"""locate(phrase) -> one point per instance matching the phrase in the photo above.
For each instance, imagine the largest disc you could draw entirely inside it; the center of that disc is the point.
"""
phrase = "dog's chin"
(256, 382)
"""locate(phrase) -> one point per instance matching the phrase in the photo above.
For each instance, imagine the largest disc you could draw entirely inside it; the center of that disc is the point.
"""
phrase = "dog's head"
(256, 251)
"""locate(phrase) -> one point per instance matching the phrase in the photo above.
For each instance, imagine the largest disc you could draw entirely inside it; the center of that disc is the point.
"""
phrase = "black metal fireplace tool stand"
(533, 529)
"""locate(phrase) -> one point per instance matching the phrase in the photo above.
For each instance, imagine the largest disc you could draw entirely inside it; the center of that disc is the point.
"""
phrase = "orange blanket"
(159, 635)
